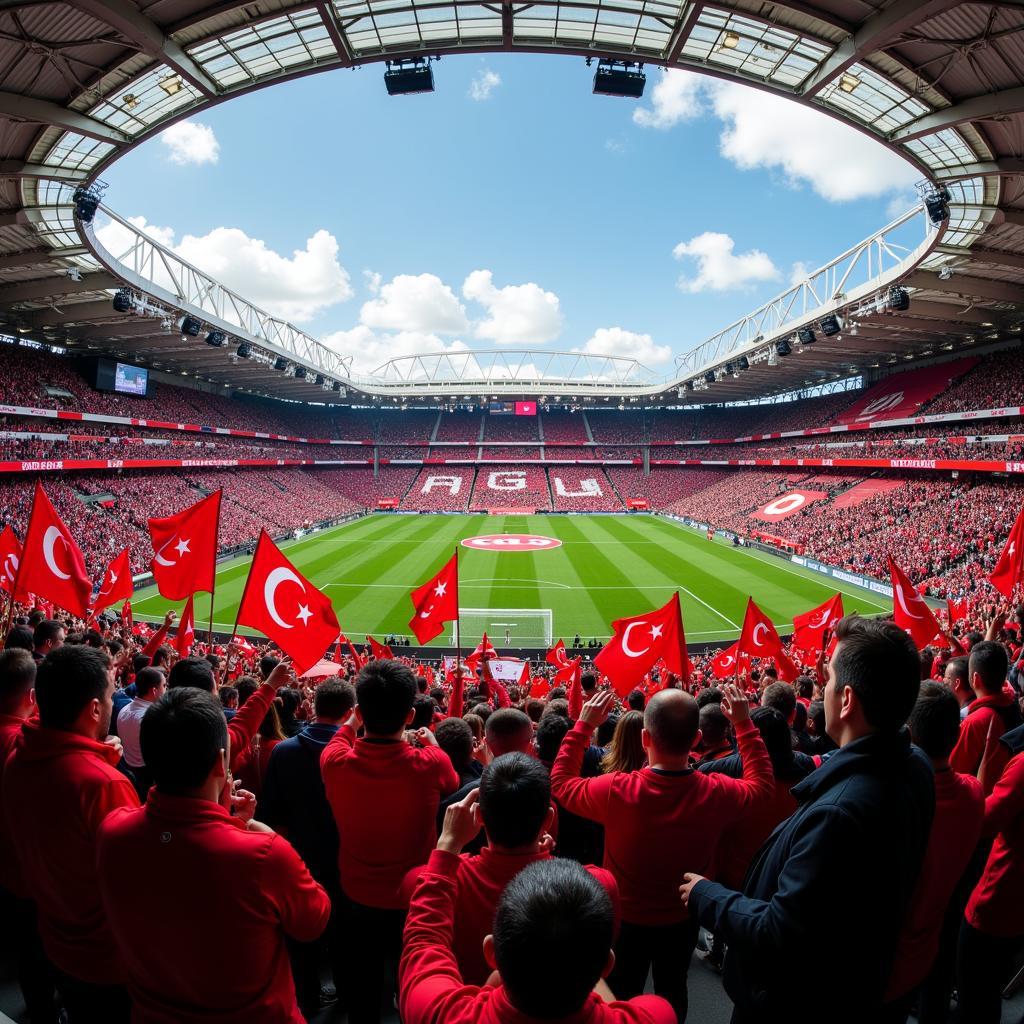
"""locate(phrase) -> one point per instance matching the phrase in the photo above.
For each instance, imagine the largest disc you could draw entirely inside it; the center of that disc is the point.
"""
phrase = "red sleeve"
(430, 988)
(155, 641)
(758, 780)
(103, 799)
(576, 695)
(585, 797)
(1006, 804)
(501, 694)
(455, 701)
(993, 762)
(302, 904)
(448, 778)
(970, 745)
(243, 726)
(339, 748)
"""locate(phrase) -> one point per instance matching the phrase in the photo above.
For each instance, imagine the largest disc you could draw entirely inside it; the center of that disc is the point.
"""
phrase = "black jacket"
(823, 902)
(293, 801)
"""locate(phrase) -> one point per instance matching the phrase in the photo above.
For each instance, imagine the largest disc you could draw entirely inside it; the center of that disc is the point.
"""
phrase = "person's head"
(150, 683)
(333, 701)
(987, 666)
(515, 801)
(476, 724)
(625, 752)
(184, 742)
(385, 691)
(709, 695)
(48, 635)
(816, 718)
(288, 699)
(774, 730)
(671, 726)
(35, 617)
(508, 730)
(267, 665)
(162, 656)
(246, 687)
(534, 709)
(588, 682)
(20, 638)
(455, 738)
(782, 697)
(926, 659)
(557, 706)
(194, 672)
(804, 687)
(606, 730)
(423, 711)
(75, 691)
(635, 700)
(714, 726)
(873, 679)
(957, 677)
(553, 912)
(92, 638)
(551, 730)
(270, 727)
(482, 711)
(139, 662)
(228, 698)
(935, 722)
(17, 677)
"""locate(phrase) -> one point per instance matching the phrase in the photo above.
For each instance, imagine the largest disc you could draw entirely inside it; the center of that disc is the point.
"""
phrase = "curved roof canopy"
(940, 81)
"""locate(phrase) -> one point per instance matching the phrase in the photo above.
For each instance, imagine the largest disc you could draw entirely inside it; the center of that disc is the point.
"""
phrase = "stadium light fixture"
(244, 350)
(730, 41)
(407, 77)
(945, 273)
(87, 201)
(190, 326)
(171, 85)
(617, 78)
(709, 377)
(218, 339)
(743, 363)
(830, 325)
(899, 298)
(280, 363)
(936, 200)
(806, 336)
(124, 301)
(300, 373)
(848, 83)
(782, 347)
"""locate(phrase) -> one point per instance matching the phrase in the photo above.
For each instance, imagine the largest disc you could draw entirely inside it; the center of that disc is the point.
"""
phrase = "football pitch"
(605, 567)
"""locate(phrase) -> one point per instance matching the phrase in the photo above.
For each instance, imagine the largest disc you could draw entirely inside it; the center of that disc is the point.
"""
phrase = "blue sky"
(534, 211)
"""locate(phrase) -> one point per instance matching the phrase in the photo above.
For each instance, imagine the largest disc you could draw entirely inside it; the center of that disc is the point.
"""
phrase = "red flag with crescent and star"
(639, 642)
(1009, 569)
(436, 602)
(760, 639)
(809, 628)
(10, 556)
(185, 549)
(116, 584)
(282, 604)
(911, 611)
(557, 656)
(52, 566)
(725, 664)
(186, 630)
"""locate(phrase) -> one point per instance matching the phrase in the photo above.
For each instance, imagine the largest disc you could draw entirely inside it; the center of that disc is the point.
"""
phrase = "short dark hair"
(589, 681)
(935, 721)
(636, 700)
(67, 679)
(988, 659)
(879, 662)
(804, 687)
(774, 730)
(713, 724)
(147, 680)
(425, 708)
(816, 714)
(246, 686)
(181, 737)
(780, 696)
(505, 728)
(534, 708)
(334, 698)
(19, 637)
(17, 676)
(672, 719)
(709, 695)
(475, 723)
(227, 694)
(455, 737)
(191, 672)
(267, 665)
(46, 631)
(515, 794)
(553, 911)
(960, 670)
(551, 730)
(385, 691)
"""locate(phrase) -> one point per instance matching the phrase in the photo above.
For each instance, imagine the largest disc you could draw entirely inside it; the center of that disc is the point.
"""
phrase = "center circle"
(511, 542)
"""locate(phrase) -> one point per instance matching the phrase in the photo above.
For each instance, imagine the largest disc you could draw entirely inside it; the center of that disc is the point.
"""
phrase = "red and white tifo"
(511, 542)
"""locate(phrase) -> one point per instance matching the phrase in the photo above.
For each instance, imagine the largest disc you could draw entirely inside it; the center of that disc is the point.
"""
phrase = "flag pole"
(458, 634)
(213, 586)
(245, 589)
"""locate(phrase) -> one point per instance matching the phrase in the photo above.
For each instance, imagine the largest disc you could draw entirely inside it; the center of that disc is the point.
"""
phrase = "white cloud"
(190, 142)
(799, 271)
(614, 341)
(370, 349)
(521, 314)
(676, 97)
(485, 82)
(719, 269)
(373, 281)
(295, 288)
(763, 130)
(899, 204)
(423, 304)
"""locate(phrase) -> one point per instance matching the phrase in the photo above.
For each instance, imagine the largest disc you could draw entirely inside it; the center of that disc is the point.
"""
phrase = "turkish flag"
(116, 584)
(540, 687)
(571, 677)
(185, 549)
(436, 602)
(809, 628)
(639, 642)
(52, 566)
(760, 639)
(956, 611)
(10, 556)
(286, 607)
(557, 656)
(484, 651)
(911, 611)
(1010, 568)
(186, 630)
(382, 652)
(725, 664)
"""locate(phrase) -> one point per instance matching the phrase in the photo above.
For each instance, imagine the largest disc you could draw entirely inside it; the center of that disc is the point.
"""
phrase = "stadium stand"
(577, 489)
(440, 489)
(510, 486)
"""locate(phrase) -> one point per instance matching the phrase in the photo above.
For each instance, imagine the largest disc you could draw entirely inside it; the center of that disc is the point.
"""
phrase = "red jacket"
(983, 721)
(659, 825)
(480, 880)
(10, 872)
(956, 829)
(384, 795)
(203, 938)
(431, 990)
(57, 788)
(244, 724)
(994, 906)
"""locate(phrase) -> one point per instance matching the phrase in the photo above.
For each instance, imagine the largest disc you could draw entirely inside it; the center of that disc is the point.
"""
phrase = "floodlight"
(782, 347)
(830, 325)
(899, 298)
(743, 363)
(244, 350)
(710, 377)
(406, 77)
(300, 373)
(124, 301)
(616, 78)
(218, 339)
(280, 363)
(190, 326)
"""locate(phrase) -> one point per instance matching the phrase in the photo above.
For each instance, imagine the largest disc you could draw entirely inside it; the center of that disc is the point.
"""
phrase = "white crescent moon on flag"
(727, 661)
(158, 556)
(274, 580)
(49, 538)
(903, 603)
(11, 566)
(426, 614)
(824, 618)
(753, 636)
(625, 640)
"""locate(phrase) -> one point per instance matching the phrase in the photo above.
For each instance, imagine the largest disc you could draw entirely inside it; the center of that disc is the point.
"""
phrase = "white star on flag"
(656, 631)
(440, 589)
(304, 614)
(182, 546)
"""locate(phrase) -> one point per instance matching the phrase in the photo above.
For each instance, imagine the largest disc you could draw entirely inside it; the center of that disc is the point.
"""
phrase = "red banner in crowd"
(788, 505)
(903, 394)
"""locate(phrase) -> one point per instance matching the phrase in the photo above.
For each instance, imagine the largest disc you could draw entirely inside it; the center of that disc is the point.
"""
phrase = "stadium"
(231, 508)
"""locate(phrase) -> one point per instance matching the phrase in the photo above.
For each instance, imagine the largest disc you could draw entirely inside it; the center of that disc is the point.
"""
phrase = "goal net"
(505, 627)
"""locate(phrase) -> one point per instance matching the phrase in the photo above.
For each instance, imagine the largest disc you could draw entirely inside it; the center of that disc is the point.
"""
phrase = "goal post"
(505, 627)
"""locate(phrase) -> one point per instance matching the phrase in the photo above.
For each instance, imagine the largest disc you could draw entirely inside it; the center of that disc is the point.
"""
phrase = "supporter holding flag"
(126, 617)
(186, 630)
(116, 584)
(214, 863)
(911, 611)
(436, 602)
(760, 639)
(810, 628)
(185, 549)
(482, 653)
(1009, 570)
(659, 822)
(52, 566)
(956, 611)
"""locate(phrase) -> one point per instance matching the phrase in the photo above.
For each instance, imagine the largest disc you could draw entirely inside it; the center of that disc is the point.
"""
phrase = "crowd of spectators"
(440, 489)
(582, 489)
(510, 486)
(997, 381)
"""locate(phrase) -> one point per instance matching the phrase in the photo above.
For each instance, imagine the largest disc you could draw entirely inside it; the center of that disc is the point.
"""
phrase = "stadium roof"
(940, 81)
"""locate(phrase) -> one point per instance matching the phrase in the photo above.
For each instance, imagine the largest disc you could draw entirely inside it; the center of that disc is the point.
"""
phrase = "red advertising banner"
(788, 505)
(903, 394)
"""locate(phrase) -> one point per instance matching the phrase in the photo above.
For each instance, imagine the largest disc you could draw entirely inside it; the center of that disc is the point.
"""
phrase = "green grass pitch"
(606, 568)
